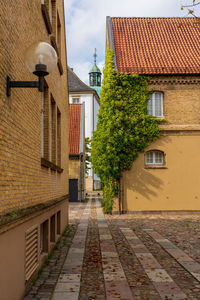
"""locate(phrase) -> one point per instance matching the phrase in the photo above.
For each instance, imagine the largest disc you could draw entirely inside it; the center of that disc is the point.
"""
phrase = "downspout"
(80, 156)
(119, 196)
(92, 135)
(82, 146)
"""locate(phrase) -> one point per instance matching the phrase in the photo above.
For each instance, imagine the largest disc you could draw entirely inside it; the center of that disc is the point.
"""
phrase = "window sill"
(155, 167)
(46, 18)
(47, 164)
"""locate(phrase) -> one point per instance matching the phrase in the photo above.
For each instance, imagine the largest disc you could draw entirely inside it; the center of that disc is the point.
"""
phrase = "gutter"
(80, 158)
(81, 155)
(110, 37)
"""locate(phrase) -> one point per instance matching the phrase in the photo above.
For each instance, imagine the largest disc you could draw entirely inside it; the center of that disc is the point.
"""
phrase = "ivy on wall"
(124, 127)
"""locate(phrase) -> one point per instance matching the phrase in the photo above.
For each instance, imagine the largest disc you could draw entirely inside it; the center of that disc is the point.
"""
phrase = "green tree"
(124, 127)
(191, 7)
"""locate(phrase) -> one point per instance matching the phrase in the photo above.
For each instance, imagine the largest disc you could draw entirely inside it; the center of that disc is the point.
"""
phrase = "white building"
(80, 93)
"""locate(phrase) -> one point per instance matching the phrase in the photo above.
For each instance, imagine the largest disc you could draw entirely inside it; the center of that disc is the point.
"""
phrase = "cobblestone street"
(151, 256)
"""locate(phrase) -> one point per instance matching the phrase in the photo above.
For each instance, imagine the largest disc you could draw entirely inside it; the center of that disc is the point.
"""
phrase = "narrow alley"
(122, 257)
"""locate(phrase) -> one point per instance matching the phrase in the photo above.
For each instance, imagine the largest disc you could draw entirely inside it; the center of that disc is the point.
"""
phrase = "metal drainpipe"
(80, 177)
(92, 134)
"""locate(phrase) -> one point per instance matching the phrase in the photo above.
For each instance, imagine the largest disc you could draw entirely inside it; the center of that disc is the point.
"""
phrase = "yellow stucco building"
(165, 177)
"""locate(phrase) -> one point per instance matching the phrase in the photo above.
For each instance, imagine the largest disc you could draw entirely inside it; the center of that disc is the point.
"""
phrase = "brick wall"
(23, 181)
(181, 96)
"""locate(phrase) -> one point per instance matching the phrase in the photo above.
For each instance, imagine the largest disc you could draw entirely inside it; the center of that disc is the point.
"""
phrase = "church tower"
(95, 75)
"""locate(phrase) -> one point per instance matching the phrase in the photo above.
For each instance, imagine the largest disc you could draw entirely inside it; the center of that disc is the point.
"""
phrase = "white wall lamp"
(40, 59)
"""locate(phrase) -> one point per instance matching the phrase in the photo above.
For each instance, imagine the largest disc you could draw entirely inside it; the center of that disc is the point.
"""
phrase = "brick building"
(167, 50)
(33, 144)
(76, 152)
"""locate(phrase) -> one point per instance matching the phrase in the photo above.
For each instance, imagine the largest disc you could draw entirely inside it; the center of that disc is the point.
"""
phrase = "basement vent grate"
(31, 252)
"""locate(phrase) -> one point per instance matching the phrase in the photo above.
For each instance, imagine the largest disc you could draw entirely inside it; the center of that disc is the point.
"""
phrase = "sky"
(86, 26)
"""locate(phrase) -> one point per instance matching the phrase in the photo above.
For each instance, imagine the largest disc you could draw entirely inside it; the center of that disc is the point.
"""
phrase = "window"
(99, 80)
(58, 35)
(31, 251)
(45, 122)
(53, 131)
(53, 16)
(46, 7)
(44, 231)
(155, 105)
(58, 222)
(52, 228)
(154, 158)
(75, 100)
(50, 132)
(58, 138)
(91, 80)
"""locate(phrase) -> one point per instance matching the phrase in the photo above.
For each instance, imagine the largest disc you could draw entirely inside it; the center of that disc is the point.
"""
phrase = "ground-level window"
(44, 232)
(154, 157)
(155, 105)
(58, 222)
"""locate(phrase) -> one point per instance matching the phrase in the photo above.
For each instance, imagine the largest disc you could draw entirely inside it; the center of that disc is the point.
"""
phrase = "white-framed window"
(155, 105)
(76, 100)
(154, 157)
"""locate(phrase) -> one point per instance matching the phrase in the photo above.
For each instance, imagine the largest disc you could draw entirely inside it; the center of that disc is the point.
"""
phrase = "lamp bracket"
(25, 84)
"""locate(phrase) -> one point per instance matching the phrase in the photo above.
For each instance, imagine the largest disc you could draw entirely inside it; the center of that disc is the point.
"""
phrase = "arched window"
(154, 157)
(155, 105)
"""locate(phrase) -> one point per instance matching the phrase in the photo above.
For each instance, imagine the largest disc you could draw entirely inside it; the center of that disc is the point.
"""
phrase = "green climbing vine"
(124, 127)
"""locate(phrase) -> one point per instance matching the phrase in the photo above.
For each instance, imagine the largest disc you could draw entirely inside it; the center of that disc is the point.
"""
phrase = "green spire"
(95, 69)
(95, 73)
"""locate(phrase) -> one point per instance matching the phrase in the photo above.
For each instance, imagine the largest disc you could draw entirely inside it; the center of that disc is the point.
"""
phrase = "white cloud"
(86, 25)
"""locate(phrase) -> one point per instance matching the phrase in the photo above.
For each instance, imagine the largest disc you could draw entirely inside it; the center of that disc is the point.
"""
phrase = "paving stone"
(158, 275)
(196, 275)
(105, 237)
(179, 255)
(109, 254)
(169, 290)
(67, 287)
(69, 278)
(191, 266)
(65, 296)
(148, 261)
(118, 289)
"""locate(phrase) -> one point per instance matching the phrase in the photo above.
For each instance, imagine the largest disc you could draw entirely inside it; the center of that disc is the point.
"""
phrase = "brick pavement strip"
(73, 212)
(116, 284)
(180, 256)
(163, 283)
(68, 284)
(92, 280)
(45, 284)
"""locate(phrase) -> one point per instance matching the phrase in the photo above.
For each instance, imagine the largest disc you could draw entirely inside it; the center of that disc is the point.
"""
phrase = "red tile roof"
(74, 128)
(156, 45)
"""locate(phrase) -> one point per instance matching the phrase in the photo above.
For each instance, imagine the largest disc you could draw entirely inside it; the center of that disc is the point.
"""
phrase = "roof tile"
(74, 128)
(157, 45)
